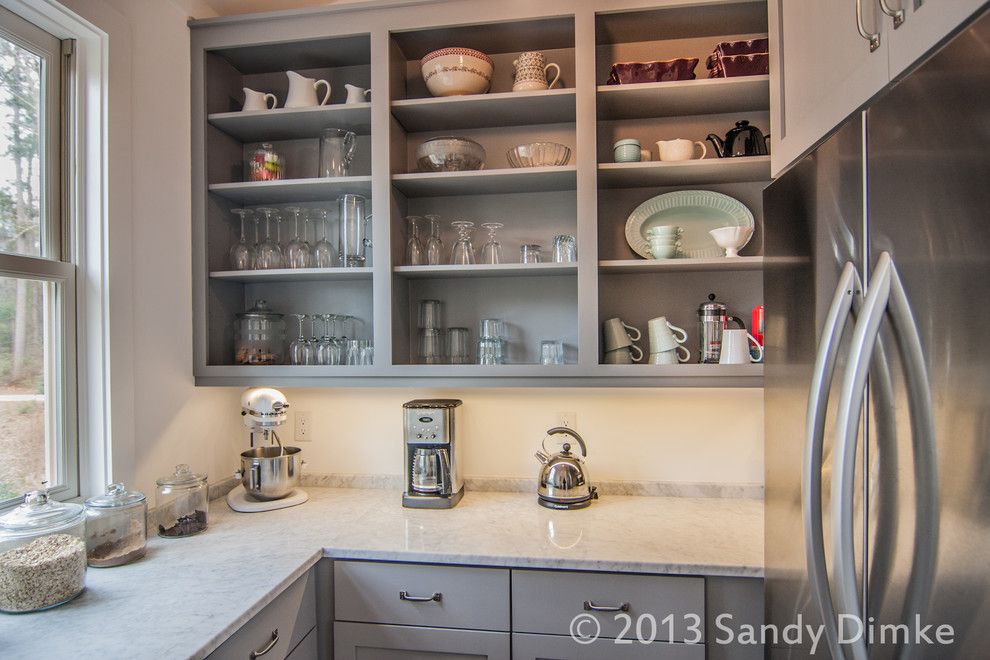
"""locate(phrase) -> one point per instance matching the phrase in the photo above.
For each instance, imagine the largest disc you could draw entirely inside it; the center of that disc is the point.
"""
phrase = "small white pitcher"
(258, 101)
(302, 91)
(356, 94)
(680, 149)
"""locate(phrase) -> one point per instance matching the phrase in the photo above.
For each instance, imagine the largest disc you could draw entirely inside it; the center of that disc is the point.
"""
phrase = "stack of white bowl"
(665, 241)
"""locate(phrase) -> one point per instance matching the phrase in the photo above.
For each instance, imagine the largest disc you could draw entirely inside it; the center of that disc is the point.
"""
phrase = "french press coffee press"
(712, 319)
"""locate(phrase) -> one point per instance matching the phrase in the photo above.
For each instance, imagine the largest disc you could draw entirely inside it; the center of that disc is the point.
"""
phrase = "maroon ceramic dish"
(629, 73)
(732, 66)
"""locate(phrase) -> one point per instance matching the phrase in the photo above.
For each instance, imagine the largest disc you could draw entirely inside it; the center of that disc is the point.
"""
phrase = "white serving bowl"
(732, 239)
(457, 71)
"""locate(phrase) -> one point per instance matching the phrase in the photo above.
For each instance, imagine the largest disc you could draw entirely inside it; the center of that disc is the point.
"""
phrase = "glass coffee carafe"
(430, 470)
(353, 230)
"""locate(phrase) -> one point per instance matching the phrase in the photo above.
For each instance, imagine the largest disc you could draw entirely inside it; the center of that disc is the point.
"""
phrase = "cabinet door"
(368, 641)
(926, 22)
(821, 71)
(559, 647)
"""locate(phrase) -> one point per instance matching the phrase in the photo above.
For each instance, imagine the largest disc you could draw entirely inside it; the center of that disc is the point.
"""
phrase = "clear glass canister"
(183, 502)
(42, 554)
(116, 527)
(259, 336)
(265, 164)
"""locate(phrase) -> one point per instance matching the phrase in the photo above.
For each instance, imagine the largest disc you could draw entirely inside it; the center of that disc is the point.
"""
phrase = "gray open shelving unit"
(590, 197)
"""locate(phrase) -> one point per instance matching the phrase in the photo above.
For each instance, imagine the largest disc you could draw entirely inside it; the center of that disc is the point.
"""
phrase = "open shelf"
(288, 191)
(480, 182)
(720, 264)
(686, 172)
(293, 123)
(293, 275)
(686, 370)
(485, 270)
(485, 110)
(684, 97)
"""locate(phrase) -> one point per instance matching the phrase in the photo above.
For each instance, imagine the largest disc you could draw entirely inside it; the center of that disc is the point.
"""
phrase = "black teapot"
(743, 140)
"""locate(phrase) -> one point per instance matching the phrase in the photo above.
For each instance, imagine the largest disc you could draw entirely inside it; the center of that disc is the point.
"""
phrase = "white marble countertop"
(188, 595)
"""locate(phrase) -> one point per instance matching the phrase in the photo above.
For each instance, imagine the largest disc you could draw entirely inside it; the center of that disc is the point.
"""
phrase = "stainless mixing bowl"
(270, 473)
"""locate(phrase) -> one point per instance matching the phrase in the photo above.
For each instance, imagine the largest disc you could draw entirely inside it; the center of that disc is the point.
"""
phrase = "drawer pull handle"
(437, 596)
(591, 607)
(268, 647)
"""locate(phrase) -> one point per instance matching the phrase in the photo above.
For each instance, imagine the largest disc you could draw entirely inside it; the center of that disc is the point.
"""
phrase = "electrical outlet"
(568, 419)
(304, 426)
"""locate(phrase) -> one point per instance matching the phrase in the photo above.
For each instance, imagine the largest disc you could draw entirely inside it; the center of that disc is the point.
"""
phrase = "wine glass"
(300, 350)
(415, 252)
(325, 347)
(241, 254)
(297, 251)
(463, 251)
(324, 253)
(269, 254)
(278, 239)
(491, 252)
(434, 244)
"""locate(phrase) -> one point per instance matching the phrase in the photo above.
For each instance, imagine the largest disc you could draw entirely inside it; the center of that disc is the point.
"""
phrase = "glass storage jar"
(265, 164)
(42, 554)
(183, 502)
(116, 527)
(259, 336)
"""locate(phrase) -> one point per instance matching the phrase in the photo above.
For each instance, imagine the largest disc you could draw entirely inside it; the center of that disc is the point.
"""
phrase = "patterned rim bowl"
(457, 71)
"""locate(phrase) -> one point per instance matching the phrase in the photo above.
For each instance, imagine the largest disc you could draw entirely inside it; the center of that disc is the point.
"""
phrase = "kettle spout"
(718, 143)
(542, 458)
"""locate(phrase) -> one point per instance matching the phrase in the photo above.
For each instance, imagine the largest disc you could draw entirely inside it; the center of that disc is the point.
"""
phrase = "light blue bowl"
(627, 151)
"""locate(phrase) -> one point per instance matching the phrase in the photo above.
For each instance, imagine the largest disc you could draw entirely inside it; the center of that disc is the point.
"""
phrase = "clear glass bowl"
(450, 154)
(539, 154)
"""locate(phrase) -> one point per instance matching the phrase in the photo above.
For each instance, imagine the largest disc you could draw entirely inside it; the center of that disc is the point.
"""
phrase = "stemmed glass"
(463, 251)
(300, 350)
(269, 253)
(415, 251)
(434, 244)
(325, 349)
(324, 253)
(491, 252)
(278, 239)
(241, 254)
(297, 251)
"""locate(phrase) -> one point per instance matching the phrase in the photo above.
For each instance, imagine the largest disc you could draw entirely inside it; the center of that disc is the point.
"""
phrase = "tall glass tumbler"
(336, 152)
(551, 351)
(564, 249)
(430, 314)
(458, 346)
(353, 231)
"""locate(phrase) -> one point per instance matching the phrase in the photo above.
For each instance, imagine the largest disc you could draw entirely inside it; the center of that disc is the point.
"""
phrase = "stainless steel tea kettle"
(564, 477)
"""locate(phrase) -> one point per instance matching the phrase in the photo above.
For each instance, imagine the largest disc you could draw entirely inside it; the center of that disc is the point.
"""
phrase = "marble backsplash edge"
(517, 485)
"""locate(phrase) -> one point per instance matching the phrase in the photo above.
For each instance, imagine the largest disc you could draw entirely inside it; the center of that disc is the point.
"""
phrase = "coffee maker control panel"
(426, 426)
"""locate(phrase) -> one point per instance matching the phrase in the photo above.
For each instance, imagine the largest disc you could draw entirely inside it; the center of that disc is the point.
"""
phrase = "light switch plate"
(304, 426)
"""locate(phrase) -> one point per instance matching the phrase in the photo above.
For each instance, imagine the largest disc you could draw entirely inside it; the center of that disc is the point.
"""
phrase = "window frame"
(58, 259)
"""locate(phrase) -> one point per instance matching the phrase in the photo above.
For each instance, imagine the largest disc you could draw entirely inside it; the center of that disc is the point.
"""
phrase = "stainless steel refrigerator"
(877, 290)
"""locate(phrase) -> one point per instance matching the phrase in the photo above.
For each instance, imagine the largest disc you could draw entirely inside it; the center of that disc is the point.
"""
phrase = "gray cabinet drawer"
(466, 597)
(308, 649)
(364, 641)
(558, 647)
(547, 601)
(292, 614)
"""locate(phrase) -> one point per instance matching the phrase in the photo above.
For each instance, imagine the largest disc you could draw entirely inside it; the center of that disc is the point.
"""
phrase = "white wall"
(653, 434)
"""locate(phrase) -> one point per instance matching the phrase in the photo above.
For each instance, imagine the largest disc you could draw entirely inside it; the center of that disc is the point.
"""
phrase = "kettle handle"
(563, 430)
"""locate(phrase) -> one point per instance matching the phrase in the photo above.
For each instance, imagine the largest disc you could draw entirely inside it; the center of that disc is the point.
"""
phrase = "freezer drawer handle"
(885, 294)
(437, 596)
(847, 299)
(268, 647)
(591, 607)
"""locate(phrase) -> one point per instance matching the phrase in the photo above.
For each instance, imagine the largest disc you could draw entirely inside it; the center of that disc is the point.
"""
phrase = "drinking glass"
(430, 349)
(530, 254)
(256, 248)
(552, 351)
(564, 249)
(241, 254)
(415, 252)
(491, 350)
(360, 352)
(300, 350)
(353, 230)
(297, 253)
(458, 342)
(463, 251)
(324, 347)
(434, 244)
(491, 252)
(491, 329)
(336, 152)
(430, 313)
(269, 254)
(324, 253)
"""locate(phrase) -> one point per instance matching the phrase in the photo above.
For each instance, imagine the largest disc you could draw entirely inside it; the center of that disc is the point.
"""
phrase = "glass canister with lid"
(182, 500)
(259, 336)
(116, 527)
(42, 554)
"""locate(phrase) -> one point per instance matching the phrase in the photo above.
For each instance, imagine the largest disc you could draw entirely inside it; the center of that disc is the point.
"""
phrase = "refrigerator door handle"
(885, 295)
(847, 299)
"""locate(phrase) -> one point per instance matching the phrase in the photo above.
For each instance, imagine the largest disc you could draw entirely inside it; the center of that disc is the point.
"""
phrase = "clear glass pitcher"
(336, 151)
(354, 230)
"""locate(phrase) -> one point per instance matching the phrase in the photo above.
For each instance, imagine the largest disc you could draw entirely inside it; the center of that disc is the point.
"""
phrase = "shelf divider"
(481, 182)
(485, 270)
(684, 172)
(292, 190)
(293, 275)
(552, 106)
(684, 97)
(293, 123)
(718, 264)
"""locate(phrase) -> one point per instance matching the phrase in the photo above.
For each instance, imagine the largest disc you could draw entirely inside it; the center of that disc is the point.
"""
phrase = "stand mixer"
(269, 471)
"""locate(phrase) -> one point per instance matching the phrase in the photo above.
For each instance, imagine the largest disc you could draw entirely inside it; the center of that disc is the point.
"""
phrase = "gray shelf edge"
(477, 382)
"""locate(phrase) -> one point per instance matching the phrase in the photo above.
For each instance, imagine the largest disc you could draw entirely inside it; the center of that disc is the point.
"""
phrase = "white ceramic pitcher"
(254, 100)
(302, 91)
(356, 94)
(679, 149)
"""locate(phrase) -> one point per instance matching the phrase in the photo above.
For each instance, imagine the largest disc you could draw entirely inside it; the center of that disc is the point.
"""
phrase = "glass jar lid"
(116, 496)
(259, 311)
(38, 514)
(183, 476)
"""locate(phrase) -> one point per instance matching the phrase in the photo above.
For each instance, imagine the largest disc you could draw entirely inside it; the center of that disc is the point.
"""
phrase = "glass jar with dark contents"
(115, 527)
(182, 500)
